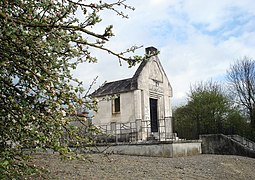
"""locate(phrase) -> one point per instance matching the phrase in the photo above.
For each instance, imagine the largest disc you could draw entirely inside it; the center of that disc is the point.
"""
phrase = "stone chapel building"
(144, 99)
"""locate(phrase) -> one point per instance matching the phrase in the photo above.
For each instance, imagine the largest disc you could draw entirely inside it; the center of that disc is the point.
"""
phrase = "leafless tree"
(241, 79)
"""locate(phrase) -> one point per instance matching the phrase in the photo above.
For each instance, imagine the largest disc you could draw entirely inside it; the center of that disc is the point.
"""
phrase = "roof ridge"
(118, 80)
(139, 69)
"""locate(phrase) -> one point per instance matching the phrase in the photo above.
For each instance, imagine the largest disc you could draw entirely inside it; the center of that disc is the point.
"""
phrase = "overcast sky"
(197, 40)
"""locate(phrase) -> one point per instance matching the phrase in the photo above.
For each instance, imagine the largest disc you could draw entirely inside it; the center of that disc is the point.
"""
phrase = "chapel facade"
(140, 105)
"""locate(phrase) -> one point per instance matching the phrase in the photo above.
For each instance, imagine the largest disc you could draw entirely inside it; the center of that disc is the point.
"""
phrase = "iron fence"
(136, 131)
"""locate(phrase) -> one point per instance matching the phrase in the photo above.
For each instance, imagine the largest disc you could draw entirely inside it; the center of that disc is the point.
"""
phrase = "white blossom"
(63, 112)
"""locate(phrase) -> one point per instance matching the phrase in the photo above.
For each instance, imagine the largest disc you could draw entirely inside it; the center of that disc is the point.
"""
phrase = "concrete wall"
(159, 150)
(186, 149)
(156, 149)
(221, 144)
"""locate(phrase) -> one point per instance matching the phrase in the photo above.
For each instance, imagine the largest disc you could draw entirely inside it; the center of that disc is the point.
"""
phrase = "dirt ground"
(140, 167)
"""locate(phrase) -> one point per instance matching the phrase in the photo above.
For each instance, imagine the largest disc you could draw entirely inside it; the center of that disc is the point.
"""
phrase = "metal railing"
(118, 132)
(244, 141)
(136, 131)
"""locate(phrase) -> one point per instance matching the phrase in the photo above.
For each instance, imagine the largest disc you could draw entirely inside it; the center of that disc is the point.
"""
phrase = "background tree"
(241, 80)
(184, 124)
(41, 42)
(236, 123)
(208, 111)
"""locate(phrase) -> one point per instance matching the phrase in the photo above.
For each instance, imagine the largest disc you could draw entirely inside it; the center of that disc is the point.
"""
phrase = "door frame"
(154, 114)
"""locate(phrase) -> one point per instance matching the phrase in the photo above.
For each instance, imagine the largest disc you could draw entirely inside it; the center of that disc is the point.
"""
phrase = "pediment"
(155, 72)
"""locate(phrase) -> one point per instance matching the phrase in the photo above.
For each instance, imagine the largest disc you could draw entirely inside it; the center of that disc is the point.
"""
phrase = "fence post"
(138, 126)
(113, 130)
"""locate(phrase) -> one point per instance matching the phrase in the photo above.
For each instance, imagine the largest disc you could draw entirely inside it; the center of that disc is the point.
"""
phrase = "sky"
(198, 40)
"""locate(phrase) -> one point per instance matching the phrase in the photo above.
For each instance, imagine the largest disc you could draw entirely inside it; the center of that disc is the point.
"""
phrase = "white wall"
(127, 101)
(106, 116)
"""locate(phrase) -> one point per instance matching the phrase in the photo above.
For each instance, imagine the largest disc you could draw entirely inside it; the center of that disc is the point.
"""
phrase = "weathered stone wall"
(221, 144)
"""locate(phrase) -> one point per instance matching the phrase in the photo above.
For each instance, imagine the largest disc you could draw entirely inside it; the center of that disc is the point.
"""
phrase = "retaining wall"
(221, 144)
(160, 149)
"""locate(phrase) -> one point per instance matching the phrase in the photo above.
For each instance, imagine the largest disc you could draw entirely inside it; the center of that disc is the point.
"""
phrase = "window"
(116, 105)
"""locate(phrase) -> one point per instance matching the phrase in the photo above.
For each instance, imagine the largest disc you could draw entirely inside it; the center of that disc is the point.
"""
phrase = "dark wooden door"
(154, 114)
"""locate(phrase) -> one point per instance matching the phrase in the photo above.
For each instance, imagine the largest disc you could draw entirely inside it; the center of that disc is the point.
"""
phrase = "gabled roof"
(115, 87)
(124, 85)
(120, 86)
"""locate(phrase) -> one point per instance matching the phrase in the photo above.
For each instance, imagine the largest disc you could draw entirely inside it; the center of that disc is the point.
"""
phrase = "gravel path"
(140, 167)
